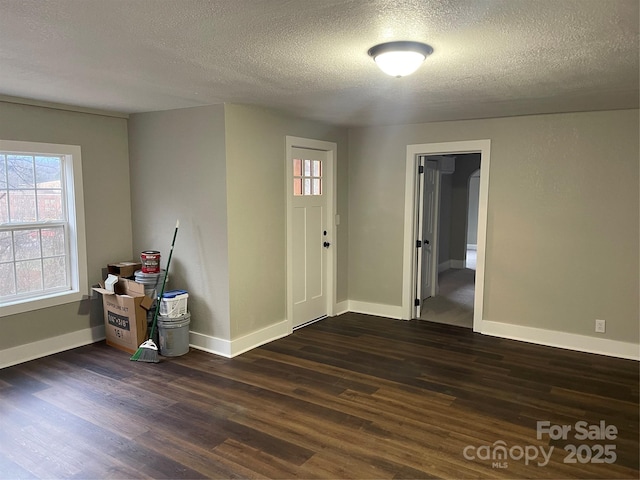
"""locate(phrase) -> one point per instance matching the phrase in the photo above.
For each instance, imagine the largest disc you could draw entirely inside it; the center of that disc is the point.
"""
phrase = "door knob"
(426, 242)
(326, 244)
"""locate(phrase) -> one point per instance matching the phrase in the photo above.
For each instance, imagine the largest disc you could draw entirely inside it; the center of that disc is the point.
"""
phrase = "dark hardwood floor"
(349, 397)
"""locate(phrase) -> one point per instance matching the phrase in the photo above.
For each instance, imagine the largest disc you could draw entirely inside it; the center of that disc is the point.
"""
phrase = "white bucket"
(174, 303)
(173, 335)
(152, 282)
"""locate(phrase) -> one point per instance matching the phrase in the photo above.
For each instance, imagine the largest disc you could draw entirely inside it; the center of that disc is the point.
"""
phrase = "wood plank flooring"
(353, 396)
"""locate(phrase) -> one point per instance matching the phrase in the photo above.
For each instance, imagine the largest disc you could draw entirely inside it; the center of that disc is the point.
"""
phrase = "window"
(307, 177)
(42, 244)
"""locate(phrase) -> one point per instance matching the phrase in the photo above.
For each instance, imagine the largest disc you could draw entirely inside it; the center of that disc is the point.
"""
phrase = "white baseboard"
(342, 307)
(446, 265)
(570, 341)
(232, 348)
(207, 343)
(457, 263)
(377, 309)
(472, 246)
(49, 346)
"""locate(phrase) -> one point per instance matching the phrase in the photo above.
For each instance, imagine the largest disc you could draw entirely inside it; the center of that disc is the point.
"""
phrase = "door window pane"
(307, 177)
(297, 186)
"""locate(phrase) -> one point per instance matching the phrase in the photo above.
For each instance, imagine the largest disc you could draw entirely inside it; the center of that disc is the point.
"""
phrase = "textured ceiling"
(309, 57)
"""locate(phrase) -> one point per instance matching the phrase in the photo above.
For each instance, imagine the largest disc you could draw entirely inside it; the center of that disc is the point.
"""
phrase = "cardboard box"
(124, 269)
(125, 314)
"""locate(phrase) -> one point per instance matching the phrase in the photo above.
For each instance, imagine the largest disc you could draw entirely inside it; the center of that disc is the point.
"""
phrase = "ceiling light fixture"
(399, 59)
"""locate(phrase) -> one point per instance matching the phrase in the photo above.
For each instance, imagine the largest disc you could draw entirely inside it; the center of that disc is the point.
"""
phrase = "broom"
(148, 351)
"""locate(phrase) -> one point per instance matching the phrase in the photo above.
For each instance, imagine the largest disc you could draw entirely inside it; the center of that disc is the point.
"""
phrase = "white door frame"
(448, 148)
(329, 179)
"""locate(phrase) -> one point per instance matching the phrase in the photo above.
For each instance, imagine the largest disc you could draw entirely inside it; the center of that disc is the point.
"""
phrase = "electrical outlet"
(600, 326)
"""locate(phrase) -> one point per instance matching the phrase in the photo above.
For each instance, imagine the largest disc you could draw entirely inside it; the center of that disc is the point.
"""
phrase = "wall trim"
(446, 265)
(569, 341)
(209, 344)
(61, 106)
(472, 246)
(342, 307)
(49, 346)
(232, 348)
(377, 309)
(457, 263)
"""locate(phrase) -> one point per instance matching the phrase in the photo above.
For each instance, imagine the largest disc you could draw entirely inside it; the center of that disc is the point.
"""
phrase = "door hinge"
(418, 244)
(420, 169)
(416, 303)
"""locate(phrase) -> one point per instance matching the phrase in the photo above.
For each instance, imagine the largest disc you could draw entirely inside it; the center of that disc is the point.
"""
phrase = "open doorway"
(456, 211)
(464, 285)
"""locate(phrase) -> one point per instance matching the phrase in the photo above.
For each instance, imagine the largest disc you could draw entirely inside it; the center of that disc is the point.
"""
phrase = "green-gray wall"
(563, 214)
(220, 170)
(105, 175)
(255, 141)
(178, 171)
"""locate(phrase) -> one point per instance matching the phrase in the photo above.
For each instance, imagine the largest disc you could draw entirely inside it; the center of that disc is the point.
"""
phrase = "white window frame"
(76, 237)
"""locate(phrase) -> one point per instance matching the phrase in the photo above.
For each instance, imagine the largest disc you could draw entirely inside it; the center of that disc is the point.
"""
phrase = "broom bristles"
(147, 352)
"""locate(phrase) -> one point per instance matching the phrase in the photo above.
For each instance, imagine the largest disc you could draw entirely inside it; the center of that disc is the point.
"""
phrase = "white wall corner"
(377, 309)
(569, 341)
(209, 344)
(342, 307)
(232, 348)
(260, 337)
(446, 265)
(49, 346)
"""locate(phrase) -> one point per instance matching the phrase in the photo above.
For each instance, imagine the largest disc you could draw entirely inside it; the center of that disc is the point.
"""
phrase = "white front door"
(310, 237)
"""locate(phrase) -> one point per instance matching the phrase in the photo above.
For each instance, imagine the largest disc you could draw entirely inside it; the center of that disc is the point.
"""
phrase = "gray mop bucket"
(173, 335)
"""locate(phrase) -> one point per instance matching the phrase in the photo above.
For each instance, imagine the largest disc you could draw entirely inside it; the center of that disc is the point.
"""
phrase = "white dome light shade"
(399, 59)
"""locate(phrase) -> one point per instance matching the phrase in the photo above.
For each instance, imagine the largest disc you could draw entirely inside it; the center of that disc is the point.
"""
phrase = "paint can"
(150, 261)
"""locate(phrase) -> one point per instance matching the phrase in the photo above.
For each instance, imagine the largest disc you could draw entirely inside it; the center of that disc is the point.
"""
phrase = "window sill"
(48, 301)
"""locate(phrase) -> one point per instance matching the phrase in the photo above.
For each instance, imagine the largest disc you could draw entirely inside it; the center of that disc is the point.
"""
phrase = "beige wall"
(105, 171)
(563, 213)
(178, 171)
(255, 141)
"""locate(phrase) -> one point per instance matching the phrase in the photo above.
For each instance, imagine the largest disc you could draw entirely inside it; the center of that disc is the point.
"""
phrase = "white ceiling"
(309, 57)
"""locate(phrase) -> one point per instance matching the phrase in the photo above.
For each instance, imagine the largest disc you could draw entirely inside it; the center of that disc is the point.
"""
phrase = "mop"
(148, 351)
